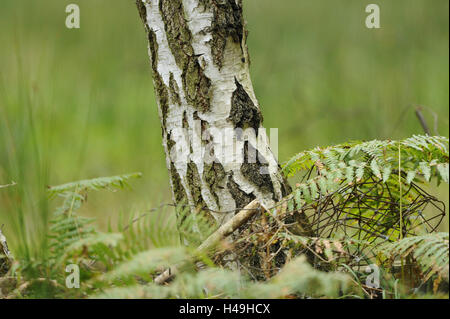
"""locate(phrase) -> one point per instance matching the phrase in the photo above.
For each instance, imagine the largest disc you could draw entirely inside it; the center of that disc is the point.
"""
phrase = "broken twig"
(8, 185)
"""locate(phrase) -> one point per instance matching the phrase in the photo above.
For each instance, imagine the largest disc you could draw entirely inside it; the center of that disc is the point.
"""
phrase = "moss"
(195, 185)
(213, 175)
(174, 90)
(142, 13)
(243, 111)
(196, 85)
(163, 98)
(177, 187)
(240, 197)
(256, 173)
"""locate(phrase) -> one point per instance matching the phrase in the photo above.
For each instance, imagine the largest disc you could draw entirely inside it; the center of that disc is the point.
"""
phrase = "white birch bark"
(200, 65)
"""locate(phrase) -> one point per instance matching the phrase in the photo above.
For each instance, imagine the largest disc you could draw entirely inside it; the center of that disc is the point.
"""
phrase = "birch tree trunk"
(217, 151)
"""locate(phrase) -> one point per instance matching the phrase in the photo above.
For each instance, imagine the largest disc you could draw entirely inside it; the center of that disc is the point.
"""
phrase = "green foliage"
(430, 251)
(297, 278)
(72, 239)
(95, 184)
(98, 245)
(41, 110)
(419, 157)
(155, 228)
(328, 250)
(193, 227)
(120, 260)
(144, 263)
(67, 228)
(124, 262)
(100, 125)
(373, 182)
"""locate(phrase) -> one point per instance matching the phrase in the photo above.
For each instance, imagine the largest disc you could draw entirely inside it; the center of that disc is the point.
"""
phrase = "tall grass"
(25, 161)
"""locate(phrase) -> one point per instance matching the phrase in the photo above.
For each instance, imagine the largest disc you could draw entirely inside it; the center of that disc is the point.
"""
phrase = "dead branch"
(224, 231)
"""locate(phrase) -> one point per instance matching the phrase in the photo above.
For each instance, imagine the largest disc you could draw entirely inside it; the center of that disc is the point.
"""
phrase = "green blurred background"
(79, 103)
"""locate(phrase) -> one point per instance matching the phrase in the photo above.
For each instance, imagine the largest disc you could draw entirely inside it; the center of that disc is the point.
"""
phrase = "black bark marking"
(170, 143)
(196, 85)
(178, 189)
(240, 197)
(255, 169)
(204, 131)
(243, 111)
(195, 185)
(195, 116)
(185, 121)
(213, 175)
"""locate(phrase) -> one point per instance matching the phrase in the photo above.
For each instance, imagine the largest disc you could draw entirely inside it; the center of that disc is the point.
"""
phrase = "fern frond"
(421, 155)
(119, 181)
(431, 252)
(67, 228)
(195, 227)
(330, 248)
(96, 246)
(147, 262)
(155, 228)
(296, 278)
(134, 292)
